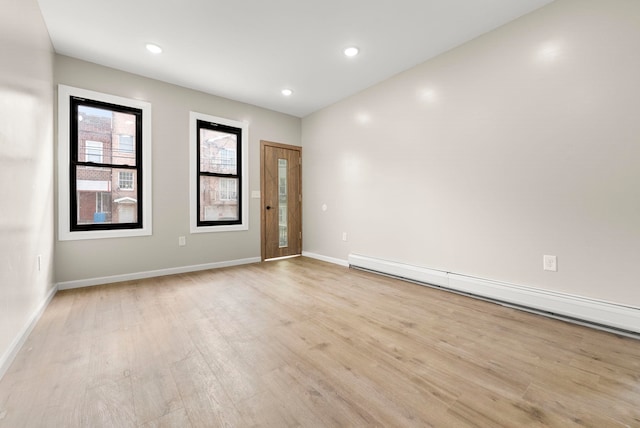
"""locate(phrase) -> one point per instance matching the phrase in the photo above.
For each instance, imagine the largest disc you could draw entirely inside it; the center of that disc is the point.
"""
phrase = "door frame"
(263, 145)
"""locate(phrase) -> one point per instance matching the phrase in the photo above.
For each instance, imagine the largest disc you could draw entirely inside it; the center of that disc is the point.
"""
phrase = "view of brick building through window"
(106, 194)
(218, 194)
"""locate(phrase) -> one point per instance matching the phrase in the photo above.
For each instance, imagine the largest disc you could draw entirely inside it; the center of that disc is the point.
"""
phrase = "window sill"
(66, 235)
(225, 228)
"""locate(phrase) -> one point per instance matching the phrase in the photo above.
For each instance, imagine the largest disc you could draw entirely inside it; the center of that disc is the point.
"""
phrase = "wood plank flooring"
(301, 343)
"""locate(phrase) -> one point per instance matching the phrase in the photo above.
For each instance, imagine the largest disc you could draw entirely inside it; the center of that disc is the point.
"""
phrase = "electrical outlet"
(182, 241)
(344, 236)
(550, 263)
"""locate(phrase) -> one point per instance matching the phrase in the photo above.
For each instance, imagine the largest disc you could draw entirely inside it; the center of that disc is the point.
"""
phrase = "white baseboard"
(414, 273)
(592, 312)
(152, 274)
(7, 358)
(333, 260)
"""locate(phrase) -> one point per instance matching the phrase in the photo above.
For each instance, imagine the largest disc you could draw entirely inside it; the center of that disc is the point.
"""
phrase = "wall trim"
(7, 358)
(401, 270)
(89, 282)
(594, 313)
(327, 259)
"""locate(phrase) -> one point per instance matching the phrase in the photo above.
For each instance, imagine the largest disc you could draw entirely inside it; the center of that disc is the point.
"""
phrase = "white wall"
(26, 169)
(86, 260)
(523, 142)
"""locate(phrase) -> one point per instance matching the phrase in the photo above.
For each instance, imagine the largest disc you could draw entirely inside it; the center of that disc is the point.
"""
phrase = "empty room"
(320, 214)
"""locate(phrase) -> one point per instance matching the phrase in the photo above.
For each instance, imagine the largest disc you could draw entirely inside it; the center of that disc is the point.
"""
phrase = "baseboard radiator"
(619, 319)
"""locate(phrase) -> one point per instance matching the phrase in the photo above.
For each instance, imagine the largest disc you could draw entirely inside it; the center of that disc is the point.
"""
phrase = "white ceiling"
(249, 50)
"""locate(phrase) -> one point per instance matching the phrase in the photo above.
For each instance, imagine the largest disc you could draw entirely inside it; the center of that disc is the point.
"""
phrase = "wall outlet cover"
(550, 263)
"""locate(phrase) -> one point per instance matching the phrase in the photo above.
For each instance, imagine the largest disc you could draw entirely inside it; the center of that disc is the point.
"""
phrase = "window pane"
(218, 199)
(101, 200)
(106, 136)
(218, 152)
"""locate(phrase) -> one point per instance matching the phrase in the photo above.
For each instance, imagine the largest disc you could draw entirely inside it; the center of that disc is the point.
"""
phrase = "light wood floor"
(299, 342)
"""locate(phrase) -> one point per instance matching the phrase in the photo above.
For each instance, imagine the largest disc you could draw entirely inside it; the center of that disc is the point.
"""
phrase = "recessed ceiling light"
(287, 92)
(351, 51)
(155, 49)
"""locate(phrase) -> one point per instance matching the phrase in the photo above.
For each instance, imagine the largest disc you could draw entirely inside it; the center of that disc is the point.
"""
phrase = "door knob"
(268, 207)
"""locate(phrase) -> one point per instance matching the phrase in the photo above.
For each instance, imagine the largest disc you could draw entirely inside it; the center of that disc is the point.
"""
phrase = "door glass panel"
(282, 203)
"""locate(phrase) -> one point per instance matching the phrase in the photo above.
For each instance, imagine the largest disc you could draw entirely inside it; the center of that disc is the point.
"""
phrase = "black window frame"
(203, 124)
(74, 104)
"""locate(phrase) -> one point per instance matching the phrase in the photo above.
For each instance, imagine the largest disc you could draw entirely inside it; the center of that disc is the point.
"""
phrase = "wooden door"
(281, 189)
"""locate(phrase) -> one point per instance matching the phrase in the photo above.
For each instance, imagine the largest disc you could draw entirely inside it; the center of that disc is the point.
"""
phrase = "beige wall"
(523, 142)
(81, 260)
(26, 168)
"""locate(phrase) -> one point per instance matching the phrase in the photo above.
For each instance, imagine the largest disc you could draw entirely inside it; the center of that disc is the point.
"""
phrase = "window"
(125, 180)
(104, 165)
(218, 174)
(94, 165)
(92, 151)
(228, 190)
(126, 142)
(227, 157)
